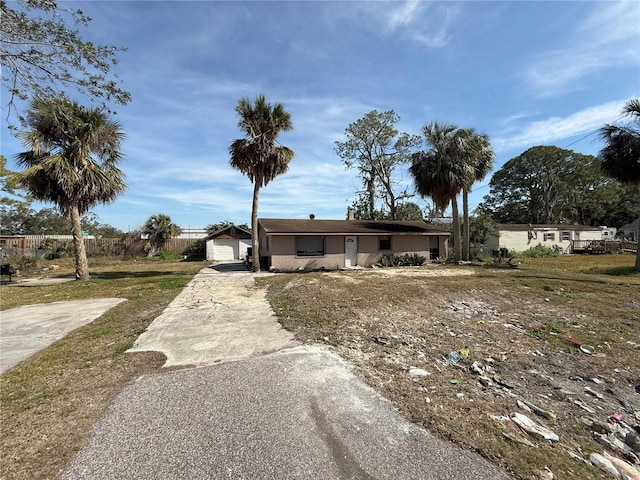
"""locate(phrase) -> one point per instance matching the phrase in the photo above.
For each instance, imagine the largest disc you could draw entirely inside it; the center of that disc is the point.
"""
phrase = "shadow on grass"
(615, 275)
(146, 274)
(614, 271)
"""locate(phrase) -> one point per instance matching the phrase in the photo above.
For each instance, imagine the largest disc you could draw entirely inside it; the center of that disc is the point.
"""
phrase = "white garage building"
(229, 243)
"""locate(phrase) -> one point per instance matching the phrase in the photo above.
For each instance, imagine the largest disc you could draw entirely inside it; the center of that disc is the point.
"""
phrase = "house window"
(549, 237)
(309, 246)
(384, 243)
(565, 236)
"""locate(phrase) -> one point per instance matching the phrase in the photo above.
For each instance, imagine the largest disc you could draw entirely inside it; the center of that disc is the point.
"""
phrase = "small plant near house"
(24, 265)
(166, 255)
(195, 251)
(540, 251)
(406, 260)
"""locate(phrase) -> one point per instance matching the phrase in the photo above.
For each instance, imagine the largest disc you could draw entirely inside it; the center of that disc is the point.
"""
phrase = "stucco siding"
(283, 256)
(282, 250)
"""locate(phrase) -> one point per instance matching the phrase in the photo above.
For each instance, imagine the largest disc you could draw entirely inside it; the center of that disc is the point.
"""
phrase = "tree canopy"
(621, 155)
(160, 229)
(444, 169)
(214, 227)
(376, 148)
(72, 162)
(547, 184)
(43, 53)
(259, 155)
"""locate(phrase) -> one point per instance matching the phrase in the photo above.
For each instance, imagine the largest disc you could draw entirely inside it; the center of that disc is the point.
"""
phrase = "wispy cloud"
(425, 23)
(556, 128)
(608, 37)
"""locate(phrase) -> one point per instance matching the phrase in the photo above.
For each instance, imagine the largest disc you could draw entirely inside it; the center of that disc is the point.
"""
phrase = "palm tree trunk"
(82, 265)
(457, 247)
(255, 257)
(465, 225)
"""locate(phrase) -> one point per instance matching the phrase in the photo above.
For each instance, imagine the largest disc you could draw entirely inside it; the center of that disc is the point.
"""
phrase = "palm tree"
(442, 171)
(481, 157)
(160, 230)
(621, 155)
(259, 156)
(72, 162)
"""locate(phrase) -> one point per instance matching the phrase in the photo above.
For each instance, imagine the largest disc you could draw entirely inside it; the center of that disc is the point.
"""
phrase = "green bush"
(196, 250)
(23, 264)
(168, 255)
(406, 260)
(540, 251)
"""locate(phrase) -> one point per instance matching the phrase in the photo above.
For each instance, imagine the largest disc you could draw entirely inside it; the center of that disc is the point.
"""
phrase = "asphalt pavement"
(296, 414)
(256, 405)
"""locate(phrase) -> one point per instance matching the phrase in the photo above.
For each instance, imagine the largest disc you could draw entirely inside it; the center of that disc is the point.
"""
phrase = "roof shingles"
(277, 226)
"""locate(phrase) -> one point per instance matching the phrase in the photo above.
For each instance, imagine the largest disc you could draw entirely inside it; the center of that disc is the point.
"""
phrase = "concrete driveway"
(220, 315)
(26, 330)
(296, 413)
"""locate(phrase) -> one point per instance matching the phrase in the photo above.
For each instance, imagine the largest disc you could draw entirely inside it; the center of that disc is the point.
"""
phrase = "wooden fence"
(33, 246)
(604, 246)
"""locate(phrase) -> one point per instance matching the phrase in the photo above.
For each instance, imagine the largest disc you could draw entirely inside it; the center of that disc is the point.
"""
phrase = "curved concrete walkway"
(298, 413)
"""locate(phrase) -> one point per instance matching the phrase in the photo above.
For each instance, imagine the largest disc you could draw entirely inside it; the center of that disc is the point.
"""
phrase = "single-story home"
(522, 237)
(311, 244)
(228, 243)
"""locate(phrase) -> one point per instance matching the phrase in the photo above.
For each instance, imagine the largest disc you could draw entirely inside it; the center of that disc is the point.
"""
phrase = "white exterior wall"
(218, 249)
(519, 240)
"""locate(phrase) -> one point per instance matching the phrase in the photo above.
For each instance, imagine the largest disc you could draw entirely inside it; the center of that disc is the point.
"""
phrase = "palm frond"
(620, 158)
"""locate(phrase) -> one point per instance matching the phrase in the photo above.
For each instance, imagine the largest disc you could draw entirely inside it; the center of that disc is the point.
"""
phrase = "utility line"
(566, 146)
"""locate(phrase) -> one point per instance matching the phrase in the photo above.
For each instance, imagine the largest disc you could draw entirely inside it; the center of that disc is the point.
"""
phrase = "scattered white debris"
(532, 427)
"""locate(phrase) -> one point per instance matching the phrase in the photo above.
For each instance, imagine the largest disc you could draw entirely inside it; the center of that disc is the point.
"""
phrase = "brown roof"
(277, 226)
(230, 231)
(515, 227)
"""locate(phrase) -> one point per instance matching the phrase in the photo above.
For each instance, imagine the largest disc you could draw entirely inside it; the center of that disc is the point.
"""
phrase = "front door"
(350, 251)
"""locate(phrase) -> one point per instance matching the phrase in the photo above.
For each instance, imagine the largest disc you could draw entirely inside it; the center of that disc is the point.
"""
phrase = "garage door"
(244, 244)
(225, 250)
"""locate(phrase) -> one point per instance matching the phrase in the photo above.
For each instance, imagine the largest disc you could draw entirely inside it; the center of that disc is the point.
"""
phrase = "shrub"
(23, 264)
(540, 251)
(168, 255)
(406, 260)
(196, 250)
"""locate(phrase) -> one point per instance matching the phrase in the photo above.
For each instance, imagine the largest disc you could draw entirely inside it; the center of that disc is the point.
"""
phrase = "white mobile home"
(522, 237)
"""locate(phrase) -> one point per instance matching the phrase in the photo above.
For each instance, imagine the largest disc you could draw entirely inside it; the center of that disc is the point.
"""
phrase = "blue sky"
(525, 73)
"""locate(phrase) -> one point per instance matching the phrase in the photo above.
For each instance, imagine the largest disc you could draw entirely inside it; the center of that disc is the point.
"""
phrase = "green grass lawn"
(512, 322)
(50, 401)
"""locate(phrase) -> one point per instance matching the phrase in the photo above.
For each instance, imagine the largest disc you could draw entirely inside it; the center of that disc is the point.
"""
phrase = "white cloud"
(425, 23)
(557, 128)
(403, 15)
(608, 37)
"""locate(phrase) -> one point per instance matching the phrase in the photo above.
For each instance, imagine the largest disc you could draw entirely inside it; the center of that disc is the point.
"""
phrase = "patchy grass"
(49, 402)
(520, 326)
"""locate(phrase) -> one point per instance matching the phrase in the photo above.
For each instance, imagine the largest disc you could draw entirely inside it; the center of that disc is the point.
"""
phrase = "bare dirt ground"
(469, 352)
